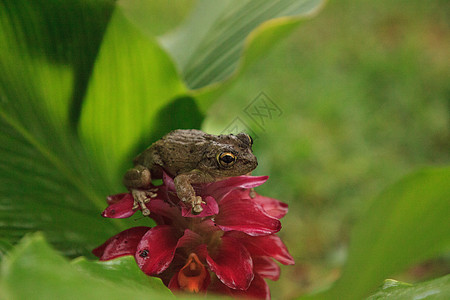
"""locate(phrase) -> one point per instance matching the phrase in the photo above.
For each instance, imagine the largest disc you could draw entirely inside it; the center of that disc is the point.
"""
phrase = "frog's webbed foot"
(196, 203)
(141, 197)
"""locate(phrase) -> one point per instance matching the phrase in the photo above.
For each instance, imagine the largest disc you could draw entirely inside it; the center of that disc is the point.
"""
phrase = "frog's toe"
(196, 209)
(135, 205)
(140, 199)
(196, 203)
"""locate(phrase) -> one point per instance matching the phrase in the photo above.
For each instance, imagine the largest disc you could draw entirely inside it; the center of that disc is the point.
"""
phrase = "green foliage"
(5, 246)
(33, 270)
(46, 177)
(434, 289)
(208, 47)
(406, 224)
(133, 78)
(211, 48)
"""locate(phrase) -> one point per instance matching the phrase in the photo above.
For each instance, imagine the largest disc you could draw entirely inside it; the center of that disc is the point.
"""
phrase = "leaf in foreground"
(122, 270)
(434, 289)
(33, 270)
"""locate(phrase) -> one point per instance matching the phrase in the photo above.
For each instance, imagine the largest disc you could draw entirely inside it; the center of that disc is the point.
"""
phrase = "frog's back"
(177, 152)
(186, 137)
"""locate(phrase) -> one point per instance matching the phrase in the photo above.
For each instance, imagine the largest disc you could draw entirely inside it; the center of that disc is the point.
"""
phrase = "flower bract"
(228, 248)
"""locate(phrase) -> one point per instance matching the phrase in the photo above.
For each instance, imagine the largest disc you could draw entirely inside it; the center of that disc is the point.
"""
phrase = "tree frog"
(189, 156)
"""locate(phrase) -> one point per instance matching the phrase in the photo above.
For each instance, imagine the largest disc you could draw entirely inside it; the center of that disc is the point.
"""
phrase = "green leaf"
(133, 79)
(5, 246)
(434, 289)
(43, 63)
(406, 224)
(259, 41)
(33, 270)
(221, 38)
(47, 181)
(123, 271)
(208, 46)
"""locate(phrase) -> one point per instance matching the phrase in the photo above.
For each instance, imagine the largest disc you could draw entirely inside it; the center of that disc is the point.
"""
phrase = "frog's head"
(232, 155)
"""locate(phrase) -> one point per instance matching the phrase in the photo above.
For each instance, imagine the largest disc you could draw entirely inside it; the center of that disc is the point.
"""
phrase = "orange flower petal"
(192, 276)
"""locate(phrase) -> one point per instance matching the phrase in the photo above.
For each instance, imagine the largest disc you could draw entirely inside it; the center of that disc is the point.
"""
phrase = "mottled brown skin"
(189, 156)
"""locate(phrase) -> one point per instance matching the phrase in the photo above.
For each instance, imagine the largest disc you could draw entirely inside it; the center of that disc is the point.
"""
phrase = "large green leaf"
(434, 289)
(46, 179)
(132, 80)
(209, 45)
(5, 246)
(219, 36)
(259, 41)
(407, 224)
(41, 57)
(35, 271)
(123, 271)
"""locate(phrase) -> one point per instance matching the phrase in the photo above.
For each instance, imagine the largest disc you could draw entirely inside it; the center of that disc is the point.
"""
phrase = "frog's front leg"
(185, 191)
(137, 180)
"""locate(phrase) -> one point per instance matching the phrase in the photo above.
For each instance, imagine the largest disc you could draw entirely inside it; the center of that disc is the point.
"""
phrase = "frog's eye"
(226, 159)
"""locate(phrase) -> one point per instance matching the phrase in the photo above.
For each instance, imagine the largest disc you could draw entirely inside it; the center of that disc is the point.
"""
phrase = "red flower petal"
(273, 207)
(217, 287)
(116, 198)
(209, 209)
(269, 245)
(121, 206)
(245, 215)
(232, 264)
(159, 208)
(173, 283)
(189, 239)
(266, 267)
(257, 290)
(243, 181)
(156, 250)
(124, 243)
(219, 189)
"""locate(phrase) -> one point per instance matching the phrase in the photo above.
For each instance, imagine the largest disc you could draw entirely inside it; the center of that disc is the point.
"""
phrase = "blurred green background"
(364, 90)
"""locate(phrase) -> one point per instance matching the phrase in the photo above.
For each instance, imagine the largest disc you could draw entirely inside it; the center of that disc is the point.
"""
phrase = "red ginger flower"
(228, 248)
